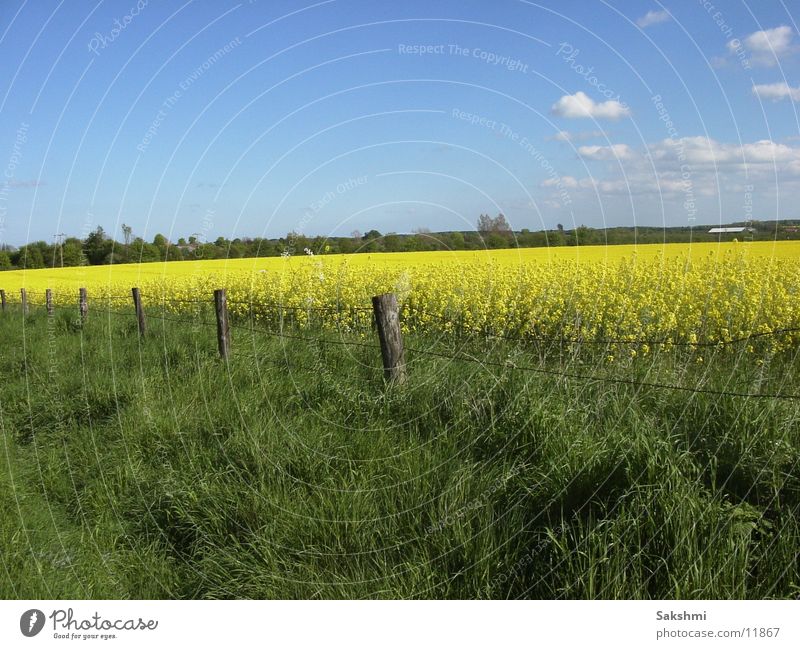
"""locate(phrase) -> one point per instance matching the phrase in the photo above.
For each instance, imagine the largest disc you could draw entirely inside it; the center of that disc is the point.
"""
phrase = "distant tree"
(72, 249)
(416, 243)
(96, 246)
(495, 240)
(160, 241)
(114, 258)
(181, 241)
(319, 245)
(373, 242)
(143, 251)
(498, 224)
(296, 242)
(209, 251)
(472, 241)
(556, 238)
(585, 236)
(345, 245)
(30, 257)
(5, 260)
(392, 242)
(127, 232)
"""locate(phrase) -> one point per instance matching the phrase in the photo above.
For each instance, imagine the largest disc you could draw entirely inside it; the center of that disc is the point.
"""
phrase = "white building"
(730, 230)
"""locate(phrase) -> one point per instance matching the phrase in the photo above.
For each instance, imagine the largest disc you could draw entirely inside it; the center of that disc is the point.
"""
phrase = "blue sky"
(257, 118)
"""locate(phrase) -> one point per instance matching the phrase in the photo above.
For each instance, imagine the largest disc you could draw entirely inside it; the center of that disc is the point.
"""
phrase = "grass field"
(149, 468)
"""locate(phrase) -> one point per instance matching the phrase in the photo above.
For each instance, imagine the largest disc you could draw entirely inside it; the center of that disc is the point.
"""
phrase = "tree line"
(492, 233)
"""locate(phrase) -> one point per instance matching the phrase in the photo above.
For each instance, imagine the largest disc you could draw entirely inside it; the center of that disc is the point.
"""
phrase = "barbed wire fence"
(384, 320)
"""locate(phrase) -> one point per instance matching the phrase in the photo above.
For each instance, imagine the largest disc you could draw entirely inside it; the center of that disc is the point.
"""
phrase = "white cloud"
(653, 18)
(775, 40)
(571, 136)
(612, 152)
(767, 45)
(568, 182)
(581, 105)
(776, 91)
(704, 151)
(628, 186)
(688, 167)
(668, 184)
(622, 186)
(769, 152)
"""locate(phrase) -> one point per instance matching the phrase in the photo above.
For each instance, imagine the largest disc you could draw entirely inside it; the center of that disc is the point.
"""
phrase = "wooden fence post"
(48, 301)
(223, 328)
(83, 304)
(387, 319)
(23, 297)
(137, 303)
(3, 298)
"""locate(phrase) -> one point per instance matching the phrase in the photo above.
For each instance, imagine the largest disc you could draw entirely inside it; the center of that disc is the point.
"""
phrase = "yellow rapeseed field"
(674, 292)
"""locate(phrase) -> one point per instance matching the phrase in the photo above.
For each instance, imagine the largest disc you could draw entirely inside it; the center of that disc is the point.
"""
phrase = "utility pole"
(60, 243)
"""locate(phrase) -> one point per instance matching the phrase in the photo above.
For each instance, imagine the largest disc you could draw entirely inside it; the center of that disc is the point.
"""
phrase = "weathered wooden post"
(387, 320)
(137, 304)
(83, 304)
(223, 328)
(23, 298)
(3, 298)
(48, 301)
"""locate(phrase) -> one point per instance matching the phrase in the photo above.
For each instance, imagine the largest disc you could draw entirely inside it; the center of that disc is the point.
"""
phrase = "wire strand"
(483, 362)
(605, 379)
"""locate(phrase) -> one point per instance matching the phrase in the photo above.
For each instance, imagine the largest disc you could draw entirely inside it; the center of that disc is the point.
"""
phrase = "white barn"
(730, 230)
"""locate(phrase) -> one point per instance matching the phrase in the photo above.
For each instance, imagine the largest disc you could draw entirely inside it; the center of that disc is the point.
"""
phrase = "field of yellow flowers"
(674, 293)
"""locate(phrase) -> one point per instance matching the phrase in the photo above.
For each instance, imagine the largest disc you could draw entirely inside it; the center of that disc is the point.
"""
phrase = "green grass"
(151, 469)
